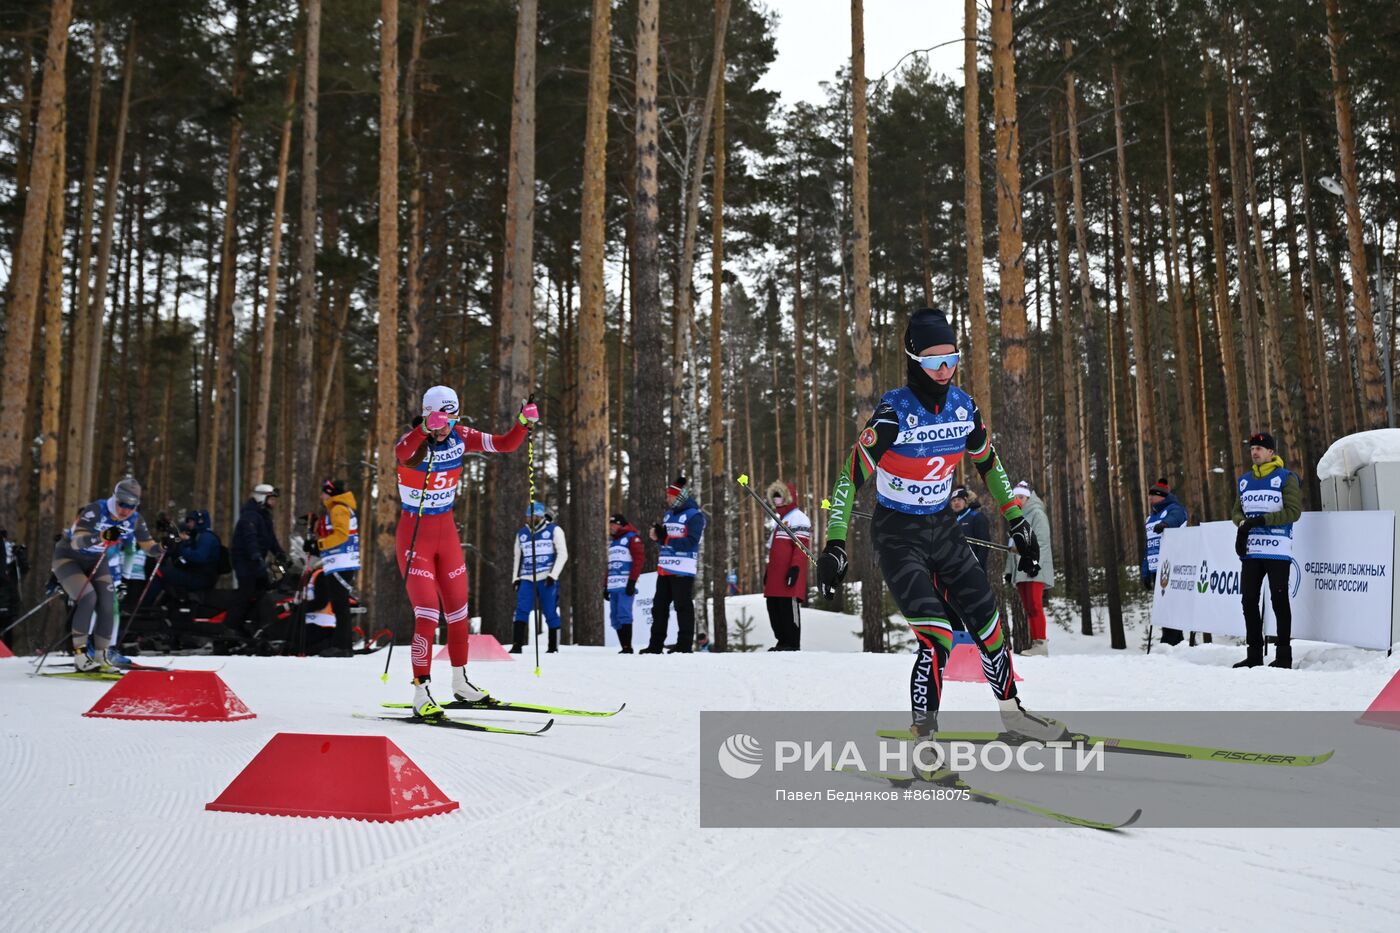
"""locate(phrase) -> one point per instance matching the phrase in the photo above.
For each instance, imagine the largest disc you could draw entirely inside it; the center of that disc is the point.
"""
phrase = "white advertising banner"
(1341, 579)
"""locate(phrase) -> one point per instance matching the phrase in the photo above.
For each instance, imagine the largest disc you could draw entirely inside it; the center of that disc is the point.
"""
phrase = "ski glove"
(517, 584)
(831, 568)
(1159, 528)
(1027, 546)
(1242, 535)
(631, 588)
(658, 532)
(529, 413)
(548, 581)
(792, 576)
(111, 535)
(437, 420)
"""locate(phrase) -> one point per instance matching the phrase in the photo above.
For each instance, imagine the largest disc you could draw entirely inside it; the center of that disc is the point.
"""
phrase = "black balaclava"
(927, 327)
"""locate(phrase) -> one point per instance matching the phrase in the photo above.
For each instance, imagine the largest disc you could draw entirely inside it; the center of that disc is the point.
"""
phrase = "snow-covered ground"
(594, 826)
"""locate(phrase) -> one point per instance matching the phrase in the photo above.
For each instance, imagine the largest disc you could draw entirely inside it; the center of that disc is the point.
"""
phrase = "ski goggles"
(937, 361)
(129, 506)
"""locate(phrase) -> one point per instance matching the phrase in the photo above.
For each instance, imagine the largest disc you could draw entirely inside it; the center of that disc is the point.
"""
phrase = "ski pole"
(856, 513)
(743, 481)
(534, 559)
(412, 545)
(46, 600)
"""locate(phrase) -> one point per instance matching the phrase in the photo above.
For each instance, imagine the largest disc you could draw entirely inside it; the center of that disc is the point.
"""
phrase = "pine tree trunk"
(647, 468)
(1109, 557)
(221, 373)
(1256, 398)
(872, 621)
(591, 431)
(1221, 292)
(719, 484)
(1014, 427)
(682, 321)
(1273, 317)
(413, 298)
(52, 395)
(1187, 378)
(262, 425)
(1319, 344)
(302, 481)
(515, 334)
(97, 310)
(73, 480)
(979, 359)
(1077, 480)
(1367, 360)
(1142, 341)
(390, 599)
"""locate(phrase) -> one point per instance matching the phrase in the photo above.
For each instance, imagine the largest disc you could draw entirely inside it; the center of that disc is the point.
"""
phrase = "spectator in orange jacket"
(785, 580)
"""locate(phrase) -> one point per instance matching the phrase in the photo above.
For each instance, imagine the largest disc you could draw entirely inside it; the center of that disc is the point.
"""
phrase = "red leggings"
(436, 583)
(1032, 595)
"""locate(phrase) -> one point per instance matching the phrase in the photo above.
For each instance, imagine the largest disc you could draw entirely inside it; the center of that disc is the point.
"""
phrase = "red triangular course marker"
(479, 648)
(358, 777)
(965, 665)
(178, 696)
(1384, 710)
(5, 651)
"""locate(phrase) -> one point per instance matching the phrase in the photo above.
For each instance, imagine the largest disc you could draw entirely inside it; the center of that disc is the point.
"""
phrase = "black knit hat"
(618, 519)
(1262, 439)
(928, 327)
(333, 487)
(1159, 488)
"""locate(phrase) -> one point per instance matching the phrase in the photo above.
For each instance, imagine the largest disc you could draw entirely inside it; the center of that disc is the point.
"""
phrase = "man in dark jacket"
(193, 563)
(1164, 512)
(253, 539)
(972, 522)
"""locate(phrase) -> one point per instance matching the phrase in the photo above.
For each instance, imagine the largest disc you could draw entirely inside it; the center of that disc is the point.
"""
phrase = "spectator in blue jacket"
(193, 563)
(1164, 512)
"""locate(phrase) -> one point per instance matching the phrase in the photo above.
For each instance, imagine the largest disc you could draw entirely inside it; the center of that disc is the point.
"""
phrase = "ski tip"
(545, 728)
(1137, 814)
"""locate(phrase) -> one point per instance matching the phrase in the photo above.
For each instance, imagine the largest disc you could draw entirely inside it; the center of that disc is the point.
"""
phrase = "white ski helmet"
(440, 398)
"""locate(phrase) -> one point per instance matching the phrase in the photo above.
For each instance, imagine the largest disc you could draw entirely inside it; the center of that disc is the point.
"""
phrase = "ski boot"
(1020, 722)
(465, 691)
(1251, 660)
(518, 644)
(424, 706)
(85, 661)
(553, 642)
(624, 635)
(923, 734)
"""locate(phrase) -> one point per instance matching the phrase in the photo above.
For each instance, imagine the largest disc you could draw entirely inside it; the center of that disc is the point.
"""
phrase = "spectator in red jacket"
(785, 580)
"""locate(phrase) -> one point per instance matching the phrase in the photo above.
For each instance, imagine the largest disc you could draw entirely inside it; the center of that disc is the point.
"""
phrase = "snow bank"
(1350, 453)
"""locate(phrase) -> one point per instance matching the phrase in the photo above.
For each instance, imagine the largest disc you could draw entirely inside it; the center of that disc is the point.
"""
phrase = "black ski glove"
(607, 595)
(1026, 546)
(548, 581)
(831, 568)
(1242, 535)
(792, 576)
(631, 588)
(517, 584)
(1159, 528)
(658, 533)
(111, 534)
